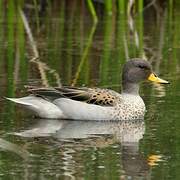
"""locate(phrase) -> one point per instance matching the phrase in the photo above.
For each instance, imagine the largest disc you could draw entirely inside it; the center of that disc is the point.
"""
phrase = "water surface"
(74, 51)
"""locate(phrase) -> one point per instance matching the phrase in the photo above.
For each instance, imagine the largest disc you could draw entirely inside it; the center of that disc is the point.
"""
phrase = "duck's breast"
(130, 107)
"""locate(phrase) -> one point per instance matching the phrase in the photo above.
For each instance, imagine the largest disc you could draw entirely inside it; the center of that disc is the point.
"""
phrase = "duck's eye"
(142, 67)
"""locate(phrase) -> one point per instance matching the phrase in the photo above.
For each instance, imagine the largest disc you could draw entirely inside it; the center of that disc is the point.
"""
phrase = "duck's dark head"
(135, 71)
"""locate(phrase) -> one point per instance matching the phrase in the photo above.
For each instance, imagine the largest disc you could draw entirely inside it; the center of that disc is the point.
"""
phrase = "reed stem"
(121, 6)
(140, 6)
(92, 10)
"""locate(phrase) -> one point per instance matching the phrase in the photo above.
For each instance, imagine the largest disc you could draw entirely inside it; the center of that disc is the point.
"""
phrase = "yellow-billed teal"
(94, 103)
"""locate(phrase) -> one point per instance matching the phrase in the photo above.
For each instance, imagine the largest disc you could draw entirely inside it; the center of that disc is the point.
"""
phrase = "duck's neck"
(130, 88)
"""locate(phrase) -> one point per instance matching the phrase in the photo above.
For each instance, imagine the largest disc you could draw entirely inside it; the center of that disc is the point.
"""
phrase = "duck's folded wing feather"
(103, 97)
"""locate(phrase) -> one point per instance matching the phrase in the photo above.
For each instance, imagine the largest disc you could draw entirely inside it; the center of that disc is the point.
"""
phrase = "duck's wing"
(103, 97)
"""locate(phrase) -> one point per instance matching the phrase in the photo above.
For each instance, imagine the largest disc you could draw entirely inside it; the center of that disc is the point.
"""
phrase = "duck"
(83, 103)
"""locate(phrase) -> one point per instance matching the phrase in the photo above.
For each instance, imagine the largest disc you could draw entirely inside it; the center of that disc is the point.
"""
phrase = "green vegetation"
(65, 44)
(85, 43)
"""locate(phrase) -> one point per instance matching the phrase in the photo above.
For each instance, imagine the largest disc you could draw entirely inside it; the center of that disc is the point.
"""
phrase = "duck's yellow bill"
(154, 78)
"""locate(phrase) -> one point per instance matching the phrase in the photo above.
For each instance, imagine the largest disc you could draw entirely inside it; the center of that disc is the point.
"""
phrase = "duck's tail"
(40, 106)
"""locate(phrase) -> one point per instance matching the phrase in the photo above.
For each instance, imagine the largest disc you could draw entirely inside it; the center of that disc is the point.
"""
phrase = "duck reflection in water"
(88, 134)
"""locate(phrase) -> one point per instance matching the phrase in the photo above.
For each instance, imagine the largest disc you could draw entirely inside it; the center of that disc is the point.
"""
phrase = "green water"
(77, 51)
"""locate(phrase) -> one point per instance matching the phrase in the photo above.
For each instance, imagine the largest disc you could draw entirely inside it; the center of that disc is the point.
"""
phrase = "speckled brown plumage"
(104, 97)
